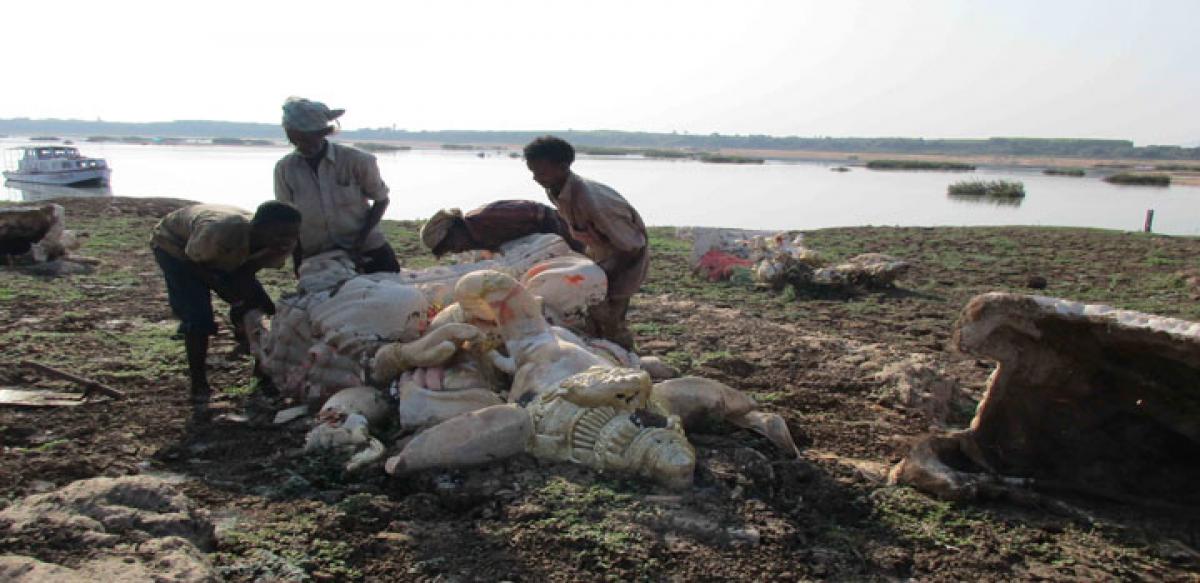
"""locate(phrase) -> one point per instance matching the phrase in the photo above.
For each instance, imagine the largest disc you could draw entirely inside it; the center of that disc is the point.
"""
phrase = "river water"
(799, 195)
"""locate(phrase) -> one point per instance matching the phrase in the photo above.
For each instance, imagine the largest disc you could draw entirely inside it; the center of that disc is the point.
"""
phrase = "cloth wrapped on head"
(308, 116)
(438, 226)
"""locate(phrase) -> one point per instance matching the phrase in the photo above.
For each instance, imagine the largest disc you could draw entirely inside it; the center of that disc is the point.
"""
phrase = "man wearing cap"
(337, 188)
(492, 225)
(604, 222)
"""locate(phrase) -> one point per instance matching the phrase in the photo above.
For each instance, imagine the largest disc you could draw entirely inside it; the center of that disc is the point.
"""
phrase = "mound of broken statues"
(1085, 398)
(482, 360)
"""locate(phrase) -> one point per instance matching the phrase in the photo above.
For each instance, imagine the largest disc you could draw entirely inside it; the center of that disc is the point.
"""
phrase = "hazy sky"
(1112, 69)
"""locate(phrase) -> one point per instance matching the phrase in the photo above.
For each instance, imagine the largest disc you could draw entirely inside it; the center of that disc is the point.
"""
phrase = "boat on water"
(34, 192)
(61, 165)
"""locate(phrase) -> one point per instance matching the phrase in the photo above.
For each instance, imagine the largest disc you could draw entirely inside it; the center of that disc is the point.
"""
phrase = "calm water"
(770, 196)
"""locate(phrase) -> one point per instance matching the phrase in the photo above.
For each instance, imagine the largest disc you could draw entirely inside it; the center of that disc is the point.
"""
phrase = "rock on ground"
(132, 528)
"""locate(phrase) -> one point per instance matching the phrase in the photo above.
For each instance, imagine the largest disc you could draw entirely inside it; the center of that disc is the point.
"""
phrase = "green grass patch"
(657, 329)
(927, 521)
(117, 234)
(299, 541)
(711, 356)
(405, 238)
(771, 396)
(241, 390)
(945, 257)
(1003, 243)
(1155, 257)
(663, 239)
(679, 360)
(591, 517)
(51, 445)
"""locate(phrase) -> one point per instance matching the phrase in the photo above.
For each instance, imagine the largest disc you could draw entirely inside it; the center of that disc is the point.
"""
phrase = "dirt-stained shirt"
(602, 219)
(213, 235)
(333, 200)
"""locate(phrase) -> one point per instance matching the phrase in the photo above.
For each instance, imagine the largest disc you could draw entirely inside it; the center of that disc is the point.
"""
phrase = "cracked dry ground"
(821, 361)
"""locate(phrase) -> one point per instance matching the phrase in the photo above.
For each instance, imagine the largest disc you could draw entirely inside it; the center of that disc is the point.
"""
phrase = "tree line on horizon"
(1065, 147)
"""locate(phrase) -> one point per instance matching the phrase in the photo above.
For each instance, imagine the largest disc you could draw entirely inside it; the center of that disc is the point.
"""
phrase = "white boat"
(61, 165)
(34, 192)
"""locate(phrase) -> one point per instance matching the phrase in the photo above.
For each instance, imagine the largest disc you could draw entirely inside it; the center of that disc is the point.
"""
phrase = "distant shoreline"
(857, 160)
(1185, 173)
(1089, 148)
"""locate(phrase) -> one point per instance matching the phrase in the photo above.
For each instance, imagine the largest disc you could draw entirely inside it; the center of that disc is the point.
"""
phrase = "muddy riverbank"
(828, 364)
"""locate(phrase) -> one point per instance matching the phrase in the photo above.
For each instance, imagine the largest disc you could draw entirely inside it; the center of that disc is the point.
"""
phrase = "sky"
(844, 68)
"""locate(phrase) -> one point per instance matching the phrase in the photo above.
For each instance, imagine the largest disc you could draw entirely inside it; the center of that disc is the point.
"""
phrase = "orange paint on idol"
(536, 269)
(503, 312)
(575, 279)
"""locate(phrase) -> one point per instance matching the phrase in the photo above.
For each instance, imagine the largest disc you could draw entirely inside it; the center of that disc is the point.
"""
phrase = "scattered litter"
(40, 398)
(291, 414)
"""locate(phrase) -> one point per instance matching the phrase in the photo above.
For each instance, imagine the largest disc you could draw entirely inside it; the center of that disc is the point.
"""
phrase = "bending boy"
(215, 248)
(598, 217)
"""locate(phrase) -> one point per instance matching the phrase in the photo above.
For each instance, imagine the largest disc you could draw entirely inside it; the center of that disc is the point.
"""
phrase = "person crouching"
(216, 248)
(600, 218)
(492, 225)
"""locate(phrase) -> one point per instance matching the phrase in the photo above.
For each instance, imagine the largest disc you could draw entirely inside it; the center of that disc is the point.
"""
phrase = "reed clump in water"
(241, 142)
(728, 159)
(917, 165)
(1139, 179)
(994, 188)
(378, 147)
(669, 154)
(603, 151)
(660, 153)
(1064, 172)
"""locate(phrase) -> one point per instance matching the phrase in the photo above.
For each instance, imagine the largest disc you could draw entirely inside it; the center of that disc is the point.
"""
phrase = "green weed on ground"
(599, 519)
(295, 545)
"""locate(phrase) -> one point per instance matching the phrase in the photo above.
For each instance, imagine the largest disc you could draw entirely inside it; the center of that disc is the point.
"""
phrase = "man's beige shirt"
(213, 235)
(333, 200)
(596, 213)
